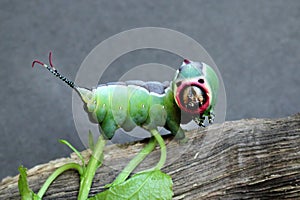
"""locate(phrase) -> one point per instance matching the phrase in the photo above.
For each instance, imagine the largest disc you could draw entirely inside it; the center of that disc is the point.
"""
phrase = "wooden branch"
(246, 159)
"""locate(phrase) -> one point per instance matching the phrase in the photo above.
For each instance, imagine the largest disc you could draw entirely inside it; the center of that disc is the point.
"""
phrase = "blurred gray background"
(255, 44)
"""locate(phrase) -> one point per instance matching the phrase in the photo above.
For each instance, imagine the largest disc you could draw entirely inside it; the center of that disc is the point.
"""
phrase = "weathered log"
(245, 159)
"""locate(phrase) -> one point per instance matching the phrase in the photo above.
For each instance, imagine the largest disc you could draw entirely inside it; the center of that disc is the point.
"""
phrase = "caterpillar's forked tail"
(85, 94)
(54, 71)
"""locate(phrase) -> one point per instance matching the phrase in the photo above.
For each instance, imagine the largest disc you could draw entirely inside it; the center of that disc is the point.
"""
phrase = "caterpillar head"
(193, 87)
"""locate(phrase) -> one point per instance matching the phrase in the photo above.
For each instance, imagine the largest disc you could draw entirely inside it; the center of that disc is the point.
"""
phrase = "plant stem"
(135, 162)
(163, 151)
(56, 173)
(141, 156)
(94, 163)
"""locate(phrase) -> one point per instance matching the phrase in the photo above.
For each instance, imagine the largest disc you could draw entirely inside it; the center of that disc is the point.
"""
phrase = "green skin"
(127, 106)
(118, 106)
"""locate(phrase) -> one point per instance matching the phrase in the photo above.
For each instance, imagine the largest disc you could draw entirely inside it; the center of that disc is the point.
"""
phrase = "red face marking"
(192, 97)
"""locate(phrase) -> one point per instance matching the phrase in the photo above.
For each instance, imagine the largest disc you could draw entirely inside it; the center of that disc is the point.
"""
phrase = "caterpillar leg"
(176, 130)
(211, 117)
(180, 136)
(108, 127)
(200, 120)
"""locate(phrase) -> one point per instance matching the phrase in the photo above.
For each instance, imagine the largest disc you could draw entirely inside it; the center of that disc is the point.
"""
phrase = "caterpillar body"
(191, 95)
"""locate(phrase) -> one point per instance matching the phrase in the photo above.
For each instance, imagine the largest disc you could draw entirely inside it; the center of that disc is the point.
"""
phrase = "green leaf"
(145, 185)
(73, 149)
(25, 192)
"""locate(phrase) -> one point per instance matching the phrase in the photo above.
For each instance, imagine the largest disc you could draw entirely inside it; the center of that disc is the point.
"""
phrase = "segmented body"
(192, 95)
(134, 103)
(152, 104)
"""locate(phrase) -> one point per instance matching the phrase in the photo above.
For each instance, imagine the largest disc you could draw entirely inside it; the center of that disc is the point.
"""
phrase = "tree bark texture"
(245, 159)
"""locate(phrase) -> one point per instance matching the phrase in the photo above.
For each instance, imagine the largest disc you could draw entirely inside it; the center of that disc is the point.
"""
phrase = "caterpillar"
(191, 95)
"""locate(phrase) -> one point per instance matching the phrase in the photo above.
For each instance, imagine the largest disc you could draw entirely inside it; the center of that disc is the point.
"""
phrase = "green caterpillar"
(192, 95)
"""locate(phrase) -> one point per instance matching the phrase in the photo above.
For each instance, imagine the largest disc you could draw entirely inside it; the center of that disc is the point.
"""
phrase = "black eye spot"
(201, 80)
(178, 83)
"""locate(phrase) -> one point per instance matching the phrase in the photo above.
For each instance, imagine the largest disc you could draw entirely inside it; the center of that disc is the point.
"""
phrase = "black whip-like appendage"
(54, 71)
